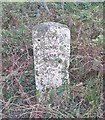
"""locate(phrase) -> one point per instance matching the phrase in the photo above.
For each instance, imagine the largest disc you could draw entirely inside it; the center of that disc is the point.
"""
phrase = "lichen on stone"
(51, 42)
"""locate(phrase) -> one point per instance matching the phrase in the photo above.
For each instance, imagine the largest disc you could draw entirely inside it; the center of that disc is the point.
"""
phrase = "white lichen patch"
(51, 42)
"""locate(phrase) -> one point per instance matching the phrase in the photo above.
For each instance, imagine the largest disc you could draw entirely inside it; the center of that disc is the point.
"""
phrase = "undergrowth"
(82, 97)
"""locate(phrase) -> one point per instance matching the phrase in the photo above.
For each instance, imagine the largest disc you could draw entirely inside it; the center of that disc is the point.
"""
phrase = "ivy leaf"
(92, 96)
(51, 94)
(60, 90)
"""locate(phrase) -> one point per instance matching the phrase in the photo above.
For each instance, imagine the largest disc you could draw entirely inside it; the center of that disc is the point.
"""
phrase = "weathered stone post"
(51, 42)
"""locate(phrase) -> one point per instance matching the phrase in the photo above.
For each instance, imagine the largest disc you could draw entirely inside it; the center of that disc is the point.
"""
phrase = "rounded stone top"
(42, 28)
(47, 25)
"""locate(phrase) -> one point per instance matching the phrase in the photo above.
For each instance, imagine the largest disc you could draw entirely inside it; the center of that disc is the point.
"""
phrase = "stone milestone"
(51, 45)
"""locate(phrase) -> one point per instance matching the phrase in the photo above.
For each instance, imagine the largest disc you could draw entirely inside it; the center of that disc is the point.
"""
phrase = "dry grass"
(82, 97)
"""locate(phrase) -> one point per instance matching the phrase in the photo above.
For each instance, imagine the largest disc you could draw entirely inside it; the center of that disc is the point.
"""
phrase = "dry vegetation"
(82, 98)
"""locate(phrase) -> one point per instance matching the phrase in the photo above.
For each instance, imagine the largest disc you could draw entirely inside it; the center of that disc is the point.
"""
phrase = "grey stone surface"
(51, 43)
